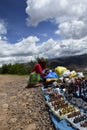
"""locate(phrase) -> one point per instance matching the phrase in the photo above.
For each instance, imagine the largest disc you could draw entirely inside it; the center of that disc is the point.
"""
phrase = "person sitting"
(36, 76)
(40, 66)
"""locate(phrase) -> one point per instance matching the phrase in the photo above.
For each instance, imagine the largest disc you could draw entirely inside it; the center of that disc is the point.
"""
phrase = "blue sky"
(44, 28)
(13, 13)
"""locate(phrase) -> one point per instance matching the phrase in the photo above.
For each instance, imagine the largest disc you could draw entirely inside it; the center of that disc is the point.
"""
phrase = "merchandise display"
(66, 106)
(66, 98)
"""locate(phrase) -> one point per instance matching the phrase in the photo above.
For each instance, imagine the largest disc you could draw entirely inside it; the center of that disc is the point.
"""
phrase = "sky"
(42, 28)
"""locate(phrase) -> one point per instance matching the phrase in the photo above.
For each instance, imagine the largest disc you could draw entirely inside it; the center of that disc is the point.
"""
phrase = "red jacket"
(38, 68)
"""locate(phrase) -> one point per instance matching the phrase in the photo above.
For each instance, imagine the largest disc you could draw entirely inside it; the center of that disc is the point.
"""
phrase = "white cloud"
(71, 19)
(41, 10)
(69, 15)
(3, 38)
(3, 29)
(74, 29)
(22, 51)
(43, 34)
(61, 48)
(27, 49)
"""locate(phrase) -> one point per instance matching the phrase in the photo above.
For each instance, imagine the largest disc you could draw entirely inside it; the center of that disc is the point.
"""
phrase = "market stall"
(66, 99)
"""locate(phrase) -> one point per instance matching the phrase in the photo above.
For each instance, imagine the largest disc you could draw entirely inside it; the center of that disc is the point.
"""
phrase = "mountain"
(78, 62)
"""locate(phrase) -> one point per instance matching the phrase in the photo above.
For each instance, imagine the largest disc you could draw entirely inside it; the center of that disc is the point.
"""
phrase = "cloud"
(22, 51)
(3, 29)
(25, 47)
(61, 48)
(70, 16)
(3, 38)
(28, 49)
(44, 9)
(74, 29)
(43, 34)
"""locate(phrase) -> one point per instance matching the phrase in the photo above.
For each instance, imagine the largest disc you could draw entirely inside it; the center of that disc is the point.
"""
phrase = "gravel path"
(22, 108)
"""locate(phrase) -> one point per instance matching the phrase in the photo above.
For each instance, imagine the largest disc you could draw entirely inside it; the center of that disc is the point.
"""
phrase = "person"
(36, 77)
(40, 66)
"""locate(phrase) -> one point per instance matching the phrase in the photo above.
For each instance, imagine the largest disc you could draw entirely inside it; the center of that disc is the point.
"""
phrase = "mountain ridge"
(77, 62)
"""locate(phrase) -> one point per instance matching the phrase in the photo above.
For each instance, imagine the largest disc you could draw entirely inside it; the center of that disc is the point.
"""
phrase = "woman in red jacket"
(35, 78)
(40, 66)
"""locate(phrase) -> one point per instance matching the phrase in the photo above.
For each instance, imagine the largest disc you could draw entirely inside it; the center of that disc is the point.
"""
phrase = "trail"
(22, 108)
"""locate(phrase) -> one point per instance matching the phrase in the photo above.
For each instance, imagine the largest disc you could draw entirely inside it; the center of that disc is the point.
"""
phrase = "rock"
(31, 126)
(5, 106)
(13, 120)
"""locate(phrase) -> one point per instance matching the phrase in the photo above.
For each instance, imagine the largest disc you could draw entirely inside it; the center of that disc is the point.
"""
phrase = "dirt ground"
(22, 108)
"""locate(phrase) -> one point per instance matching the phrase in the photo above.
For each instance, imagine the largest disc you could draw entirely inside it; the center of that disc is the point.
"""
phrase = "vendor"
(40, 66)
(37, 76)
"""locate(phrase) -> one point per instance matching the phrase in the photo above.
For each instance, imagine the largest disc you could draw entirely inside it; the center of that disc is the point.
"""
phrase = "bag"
(34, 78)
(60, 70)
(51, 75)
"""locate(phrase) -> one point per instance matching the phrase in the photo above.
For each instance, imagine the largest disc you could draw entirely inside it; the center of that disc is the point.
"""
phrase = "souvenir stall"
(66, 100)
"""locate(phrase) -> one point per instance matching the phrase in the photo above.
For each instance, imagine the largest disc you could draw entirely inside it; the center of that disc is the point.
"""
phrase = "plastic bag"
(60, 70)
